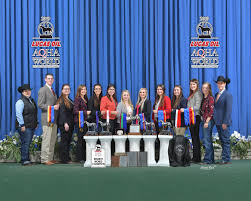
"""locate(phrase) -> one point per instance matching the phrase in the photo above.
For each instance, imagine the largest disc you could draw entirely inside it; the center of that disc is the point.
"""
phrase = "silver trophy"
(134, 128)
(166, 128)
(150, 128)
(105, 128)
(91, 128)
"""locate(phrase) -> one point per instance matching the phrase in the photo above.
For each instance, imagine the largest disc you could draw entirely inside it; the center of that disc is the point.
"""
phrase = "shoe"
(54, 161)
(48, 163)
(224, 163)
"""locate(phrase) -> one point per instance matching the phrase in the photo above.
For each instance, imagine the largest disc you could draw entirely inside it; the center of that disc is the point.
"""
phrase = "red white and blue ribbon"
(50, 114)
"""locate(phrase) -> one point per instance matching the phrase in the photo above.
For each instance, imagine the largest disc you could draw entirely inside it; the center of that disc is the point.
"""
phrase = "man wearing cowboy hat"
(26, 121)
(222, 117)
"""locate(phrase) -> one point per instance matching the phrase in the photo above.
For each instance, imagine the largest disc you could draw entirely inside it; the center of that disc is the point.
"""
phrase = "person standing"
(65, 123)
(47, 97)
(26, 121)
(143, 105)
(207, 110)
(222, 117)
(194, 101)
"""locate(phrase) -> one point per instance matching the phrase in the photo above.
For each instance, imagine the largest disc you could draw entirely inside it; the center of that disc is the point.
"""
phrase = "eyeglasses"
(66, 89)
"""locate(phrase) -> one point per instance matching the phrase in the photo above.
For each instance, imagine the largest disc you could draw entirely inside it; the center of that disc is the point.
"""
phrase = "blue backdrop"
(131, 43)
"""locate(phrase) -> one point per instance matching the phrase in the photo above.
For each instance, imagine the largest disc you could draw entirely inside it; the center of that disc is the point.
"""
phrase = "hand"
(182, 109)
(155, 111)
(103, 112)
(56, 107)
(205, 125)
(23, 128)
(36, 127)
(224, 126)
(114, 112)
(66, 127)
(88, 112)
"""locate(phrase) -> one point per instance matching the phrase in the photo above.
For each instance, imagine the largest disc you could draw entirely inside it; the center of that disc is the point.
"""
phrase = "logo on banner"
(204, 47)
(46, 52)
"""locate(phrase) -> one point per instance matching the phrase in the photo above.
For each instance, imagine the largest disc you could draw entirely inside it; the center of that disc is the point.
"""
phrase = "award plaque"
(134, 128)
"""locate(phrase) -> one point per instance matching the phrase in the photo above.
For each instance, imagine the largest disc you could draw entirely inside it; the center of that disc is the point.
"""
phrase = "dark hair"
(227, 80)
(162, 86)
(49, 74)
(209, 87)
(62, 98)
(176, 101)
(97, 99)
(198, 85)
(114, 95)
(80, 87)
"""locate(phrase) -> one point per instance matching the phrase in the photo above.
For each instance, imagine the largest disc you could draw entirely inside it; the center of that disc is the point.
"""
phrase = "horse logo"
(45, 28)
(204, 28)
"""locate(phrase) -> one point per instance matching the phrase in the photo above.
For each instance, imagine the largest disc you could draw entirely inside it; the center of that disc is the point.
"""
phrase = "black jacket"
(91, 107)
(29, 113)
(147, 108)
(65, 115)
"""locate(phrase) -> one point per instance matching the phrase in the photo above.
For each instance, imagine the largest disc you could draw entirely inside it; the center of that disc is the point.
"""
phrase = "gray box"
(132, 159)
(142, 159)
(123, 161)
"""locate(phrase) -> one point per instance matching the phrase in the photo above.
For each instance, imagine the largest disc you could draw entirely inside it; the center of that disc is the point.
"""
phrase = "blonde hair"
(129, 100)
(139, 101)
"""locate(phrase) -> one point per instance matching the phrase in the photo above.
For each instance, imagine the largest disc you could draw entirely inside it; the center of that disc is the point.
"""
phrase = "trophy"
(134, 128)
(150, 128)
(91, 128)
(165, 129)
(105, 128)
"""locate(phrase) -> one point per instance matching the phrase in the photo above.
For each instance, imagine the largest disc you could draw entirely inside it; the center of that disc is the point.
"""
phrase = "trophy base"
(91, 134)
(134, 133)
(165, 133)
(105, 133)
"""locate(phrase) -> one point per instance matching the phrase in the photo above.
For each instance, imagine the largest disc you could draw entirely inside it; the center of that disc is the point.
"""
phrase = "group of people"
(209, 111)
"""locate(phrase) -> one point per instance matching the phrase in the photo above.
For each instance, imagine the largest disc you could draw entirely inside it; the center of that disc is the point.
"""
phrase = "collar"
(221, 92)
(48, 86)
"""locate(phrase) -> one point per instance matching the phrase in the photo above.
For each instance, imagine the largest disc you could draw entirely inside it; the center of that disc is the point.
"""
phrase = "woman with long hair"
(143, 104)
(94, 103)
(108, 106)
(179, 102)
(80, 104)
(65, 122)
(206, 112)
(194, 101)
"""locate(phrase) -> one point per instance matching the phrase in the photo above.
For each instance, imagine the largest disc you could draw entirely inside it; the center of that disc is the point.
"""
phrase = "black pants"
(195, 134)
(64, 147)
(81, 144)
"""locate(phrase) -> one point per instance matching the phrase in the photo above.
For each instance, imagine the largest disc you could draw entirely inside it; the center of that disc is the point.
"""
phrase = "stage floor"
(74, 183)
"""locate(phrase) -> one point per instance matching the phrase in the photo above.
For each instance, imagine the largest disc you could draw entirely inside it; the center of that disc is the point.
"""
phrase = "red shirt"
(207, 109)
(166, 106)
(106, 104)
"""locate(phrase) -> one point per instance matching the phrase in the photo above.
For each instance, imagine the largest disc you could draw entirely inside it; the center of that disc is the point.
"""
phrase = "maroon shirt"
(79, 105)
(207, 109)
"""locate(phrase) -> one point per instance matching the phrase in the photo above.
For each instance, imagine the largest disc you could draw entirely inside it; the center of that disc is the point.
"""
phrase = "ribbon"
(176, 118)
(123, 122)
(142, 123)
(160, 117)
(164, 115)
(194, 117)
(137, 113)
(107, 117)
(186, 116)
(179, 119)
(81, 119)
(50, 114)
(97, 119)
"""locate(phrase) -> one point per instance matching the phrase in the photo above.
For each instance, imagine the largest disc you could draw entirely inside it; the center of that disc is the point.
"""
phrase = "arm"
(42, 100)
(228, 111)
(119, 110)
(168, 107)
(19, 112)
(197, 98)
(211, 108)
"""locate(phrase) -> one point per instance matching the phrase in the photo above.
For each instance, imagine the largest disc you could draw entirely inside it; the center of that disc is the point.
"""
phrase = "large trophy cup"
(134, 128)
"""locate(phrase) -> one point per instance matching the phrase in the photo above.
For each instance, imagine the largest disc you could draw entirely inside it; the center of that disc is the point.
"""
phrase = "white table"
(134, 141)
(91, 142)
(149, 141)
(106, 145)
(163, 153)
(120, 143)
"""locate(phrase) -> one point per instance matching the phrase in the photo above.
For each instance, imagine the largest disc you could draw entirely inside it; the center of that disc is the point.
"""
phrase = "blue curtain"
(131, 43)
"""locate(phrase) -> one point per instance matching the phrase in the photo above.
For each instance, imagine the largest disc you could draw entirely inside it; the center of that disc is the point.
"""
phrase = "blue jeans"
(224, 136)
(208, 144)
(26, 138)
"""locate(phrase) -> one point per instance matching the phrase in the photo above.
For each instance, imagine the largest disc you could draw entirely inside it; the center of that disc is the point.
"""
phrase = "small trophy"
(166, 128)
(91, 128)
(105, 128)
(150, 128)
(134, 128)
